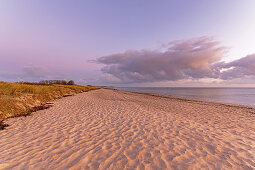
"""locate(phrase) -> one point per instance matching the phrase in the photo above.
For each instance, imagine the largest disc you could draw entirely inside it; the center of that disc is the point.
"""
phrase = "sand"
(110, 129)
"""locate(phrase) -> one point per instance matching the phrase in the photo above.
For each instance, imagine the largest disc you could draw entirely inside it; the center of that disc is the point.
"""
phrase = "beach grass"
(17, 99)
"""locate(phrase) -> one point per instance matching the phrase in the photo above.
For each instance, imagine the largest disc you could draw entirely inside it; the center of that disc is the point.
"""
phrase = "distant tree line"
(63, 82)
(50, 82)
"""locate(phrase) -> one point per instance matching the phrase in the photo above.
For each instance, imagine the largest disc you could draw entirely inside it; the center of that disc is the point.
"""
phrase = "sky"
(129, 42)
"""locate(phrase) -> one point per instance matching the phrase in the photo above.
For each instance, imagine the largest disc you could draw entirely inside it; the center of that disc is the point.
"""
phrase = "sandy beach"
(111, 129)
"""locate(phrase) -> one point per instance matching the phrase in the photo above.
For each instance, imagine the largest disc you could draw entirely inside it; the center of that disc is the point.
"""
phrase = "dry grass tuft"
(19, 99)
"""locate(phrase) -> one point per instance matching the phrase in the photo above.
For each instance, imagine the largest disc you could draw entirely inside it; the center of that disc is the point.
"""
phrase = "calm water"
(244, 96)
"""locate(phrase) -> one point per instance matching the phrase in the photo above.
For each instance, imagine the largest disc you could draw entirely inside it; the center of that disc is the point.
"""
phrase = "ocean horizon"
(231, 95)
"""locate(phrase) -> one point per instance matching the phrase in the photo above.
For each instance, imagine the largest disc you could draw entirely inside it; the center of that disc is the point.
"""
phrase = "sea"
(242, 96)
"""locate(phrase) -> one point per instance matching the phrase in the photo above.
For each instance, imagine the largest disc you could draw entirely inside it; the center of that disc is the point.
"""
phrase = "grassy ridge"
(18, 99)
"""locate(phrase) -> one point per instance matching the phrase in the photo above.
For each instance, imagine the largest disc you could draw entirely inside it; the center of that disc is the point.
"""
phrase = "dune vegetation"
(17, 99)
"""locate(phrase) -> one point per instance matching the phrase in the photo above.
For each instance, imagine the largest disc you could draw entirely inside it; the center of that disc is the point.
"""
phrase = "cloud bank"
(195, 58)
(31, 73)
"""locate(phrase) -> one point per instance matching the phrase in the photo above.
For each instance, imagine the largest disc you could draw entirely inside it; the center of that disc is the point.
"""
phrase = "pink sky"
(67, 40)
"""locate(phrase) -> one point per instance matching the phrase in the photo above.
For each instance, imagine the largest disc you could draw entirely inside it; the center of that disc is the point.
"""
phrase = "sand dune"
(109, 129)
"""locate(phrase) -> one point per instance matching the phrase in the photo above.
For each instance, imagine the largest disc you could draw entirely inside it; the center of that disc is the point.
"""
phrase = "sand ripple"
(108, 129)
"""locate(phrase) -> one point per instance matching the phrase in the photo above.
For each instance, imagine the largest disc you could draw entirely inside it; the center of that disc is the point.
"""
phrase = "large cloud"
(183, 59)
(193, 58)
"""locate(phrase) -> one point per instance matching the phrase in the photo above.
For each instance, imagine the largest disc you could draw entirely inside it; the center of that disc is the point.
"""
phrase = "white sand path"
(109, 129)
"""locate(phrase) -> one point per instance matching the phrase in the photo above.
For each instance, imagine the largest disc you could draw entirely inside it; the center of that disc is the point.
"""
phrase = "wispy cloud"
(35, 72)
(32, 73)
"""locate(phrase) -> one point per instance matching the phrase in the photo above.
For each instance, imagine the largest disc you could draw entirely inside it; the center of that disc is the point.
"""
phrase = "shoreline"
(250, 109)
(190, 100)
